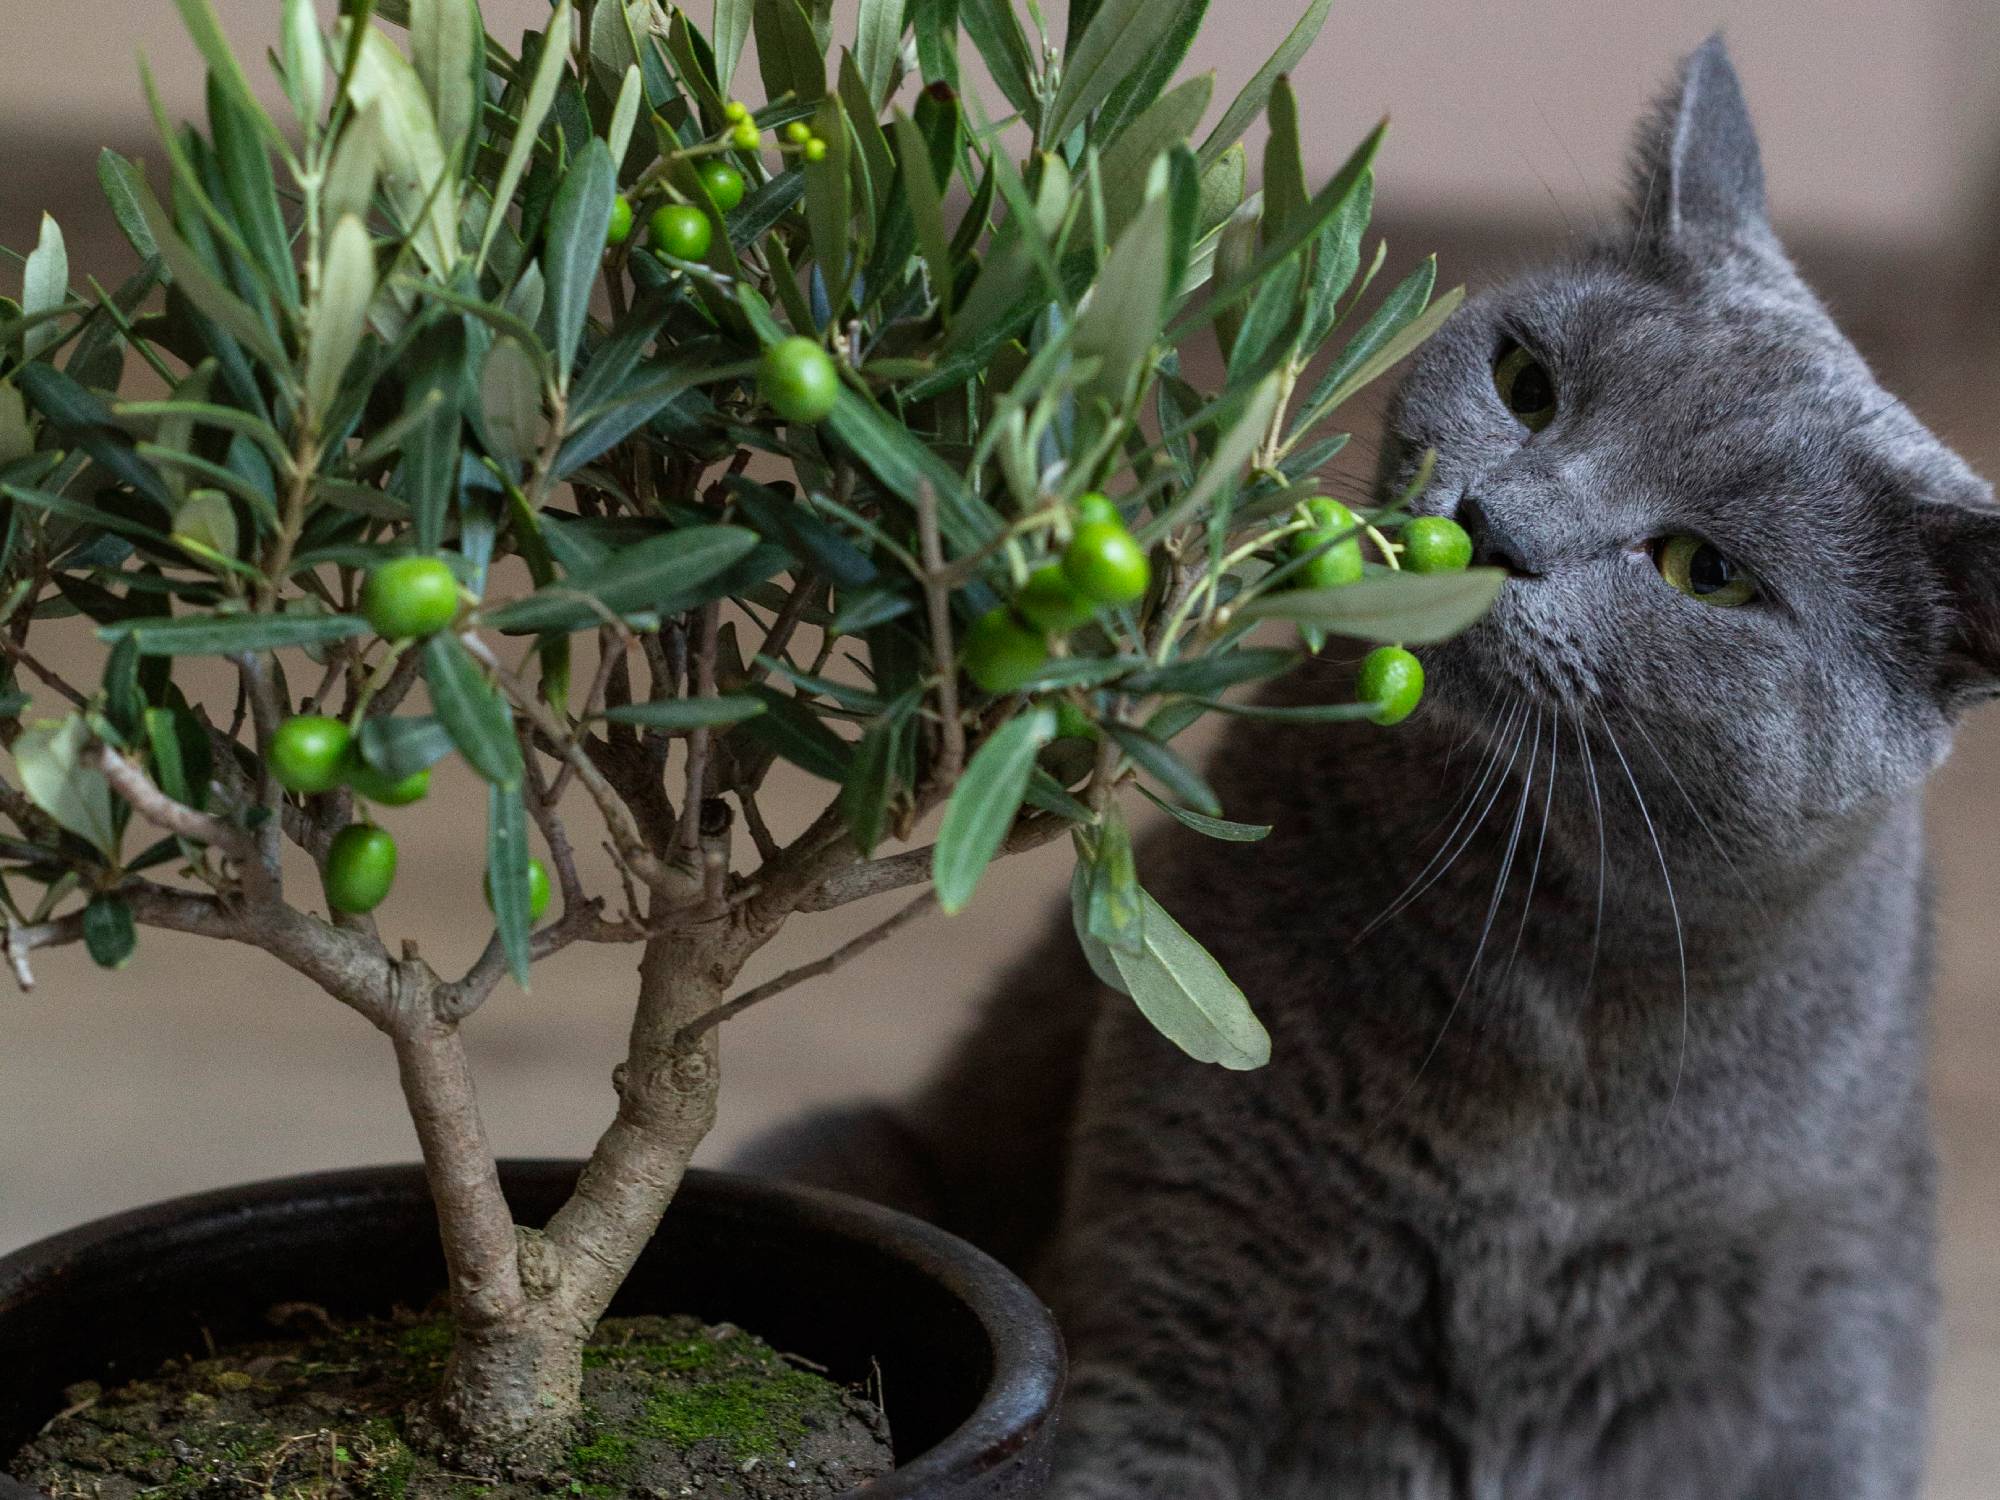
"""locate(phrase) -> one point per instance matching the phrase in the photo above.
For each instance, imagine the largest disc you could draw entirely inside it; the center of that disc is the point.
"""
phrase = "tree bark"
(666, 1104)
(514, 1382)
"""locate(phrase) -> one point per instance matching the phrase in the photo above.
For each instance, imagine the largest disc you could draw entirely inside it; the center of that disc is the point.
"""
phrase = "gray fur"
(1601, 1168)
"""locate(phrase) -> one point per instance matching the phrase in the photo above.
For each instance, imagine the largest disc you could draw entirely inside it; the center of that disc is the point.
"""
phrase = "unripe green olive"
(1435, 544)
(407, 597)
(1393, 680)
(538, 889)
(724, 182)
(360, 867)
(798, 379)
(308, 753)
(1105, 563)
(1002, 653)
(1048, 600)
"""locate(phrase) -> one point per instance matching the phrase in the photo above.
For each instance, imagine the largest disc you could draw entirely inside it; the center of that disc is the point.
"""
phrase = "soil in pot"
(673, 1408)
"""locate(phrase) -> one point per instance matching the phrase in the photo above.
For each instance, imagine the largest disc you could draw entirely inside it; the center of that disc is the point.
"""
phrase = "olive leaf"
(982, 806)
(54, 774)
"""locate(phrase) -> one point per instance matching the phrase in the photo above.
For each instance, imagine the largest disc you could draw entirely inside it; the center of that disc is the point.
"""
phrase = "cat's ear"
(1962, 537)
(1696, 172)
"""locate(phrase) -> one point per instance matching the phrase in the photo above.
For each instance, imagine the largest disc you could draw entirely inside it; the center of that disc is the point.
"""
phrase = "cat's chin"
(1476, 680)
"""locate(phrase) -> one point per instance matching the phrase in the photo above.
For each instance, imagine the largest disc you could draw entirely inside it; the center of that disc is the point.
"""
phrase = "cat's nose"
(1494, 545)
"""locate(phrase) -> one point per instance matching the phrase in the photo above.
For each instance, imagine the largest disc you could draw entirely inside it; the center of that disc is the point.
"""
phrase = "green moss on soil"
(672, 1407)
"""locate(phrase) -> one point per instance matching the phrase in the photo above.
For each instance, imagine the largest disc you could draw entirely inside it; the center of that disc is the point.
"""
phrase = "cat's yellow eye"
(1703, 571)
(1526, 388)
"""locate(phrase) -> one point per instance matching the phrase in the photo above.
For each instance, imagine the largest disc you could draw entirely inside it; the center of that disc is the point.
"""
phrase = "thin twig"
(137, 789)
(697, 748)
(852, 948)
(937, 599)
(876, 876)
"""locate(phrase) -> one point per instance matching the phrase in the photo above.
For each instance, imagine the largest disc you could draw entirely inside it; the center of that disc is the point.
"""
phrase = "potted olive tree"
(556, 410)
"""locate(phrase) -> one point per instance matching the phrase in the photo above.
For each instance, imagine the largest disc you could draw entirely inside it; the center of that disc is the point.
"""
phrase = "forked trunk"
(512, 1392)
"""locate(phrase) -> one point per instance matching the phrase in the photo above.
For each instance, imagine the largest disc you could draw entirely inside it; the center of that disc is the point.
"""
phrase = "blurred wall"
(1878, 120)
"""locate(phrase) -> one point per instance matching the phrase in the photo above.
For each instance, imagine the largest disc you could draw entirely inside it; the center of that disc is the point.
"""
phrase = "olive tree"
(554, 410)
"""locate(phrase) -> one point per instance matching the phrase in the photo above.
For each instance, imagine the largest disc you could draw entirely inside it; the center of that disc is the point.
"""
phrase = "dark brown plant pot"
(970, 1359)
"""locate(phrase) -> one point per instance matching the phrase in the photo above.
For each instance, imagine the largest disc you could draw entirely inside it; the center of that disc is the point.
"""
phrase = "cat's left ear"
(1962, 536)
(1696, 171)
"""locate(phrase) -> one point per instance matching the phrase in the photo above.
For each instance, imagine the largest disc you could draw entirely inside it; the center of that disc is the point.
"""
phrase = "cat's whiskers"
(1541, 841)
(1673, 905)
(1453, 846)
(1743, 880)
(1597, 812)
(1492, 905)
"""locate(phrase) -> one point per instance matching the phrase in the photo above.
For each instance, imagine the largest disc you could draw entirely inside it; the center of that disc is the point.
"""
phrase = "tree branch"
(851, 949)
(899, 870)
(136, 788)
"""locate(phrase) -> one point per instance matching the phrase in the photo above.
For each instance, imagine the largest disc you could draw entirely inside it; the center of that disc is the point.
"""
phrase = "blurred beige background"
(203, 1065)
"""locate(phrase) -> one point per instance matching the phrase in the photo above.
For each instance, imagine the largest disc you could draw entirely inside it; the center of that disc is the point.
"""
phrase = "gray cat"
(1599, 1166)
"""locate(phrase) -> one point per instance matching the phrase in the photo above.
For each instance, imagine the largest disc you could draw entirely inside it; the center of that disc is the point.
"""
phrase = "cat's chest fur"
(1503, 1229)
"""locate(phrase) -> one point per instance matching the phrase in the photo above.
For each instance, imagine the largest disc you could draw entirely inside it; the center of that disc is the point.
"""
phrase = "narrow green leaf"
(1126, 162)
(1215, 828)
(550, 67)
(926, 207)
(730, 30)
(1284, 161)
(251, 192)
(1336, 257)
(1389, 608)
(1120, 325)
(996, 32)
(674, 714)
(1392, 351)
(182, 761)
(510, 394)
(829, 202)
(983, 804)
(788, 53)
(625, 113)
(907, 466)
(44, 287)
(436, 374)
(233, 635)
(208, 294)
(1113, 913)
(1144, 84)
(793, 731)
(472, 710)
(340, 316)
(664, 573)
(1232, 452)
(507, 876)
(17, 434)
(1119, 40)
(402, 746)
(110, 936)
(448, 46)
(1158, 761)
(935, 23)
(205, 27)
(49, 757)
(878, 44)
(1247, 105)
(1183, 991)
(302, 50)
(120, 180)
(417, 174)
(1095, 949)
(574, 248)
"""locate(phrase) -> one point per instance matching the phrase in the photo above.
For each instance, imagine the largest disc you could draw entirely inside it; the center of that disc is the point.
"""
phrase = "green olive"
(798, 379)
(1435, 544)
(1002, 653)
(360, 867)
(407, 597)
(309, 752)
(1105, 563)
(1393, 680)
(1048, 600)
(538, 889)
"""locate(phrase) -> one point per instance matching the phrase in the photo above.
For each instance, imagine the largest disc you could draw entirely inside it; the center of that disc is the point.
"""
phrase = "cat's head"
(1734, 558)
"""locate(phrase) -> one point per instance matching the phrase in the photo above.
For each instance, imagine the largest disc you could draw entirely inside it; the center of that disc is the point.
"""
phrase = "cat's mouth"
(1511, 655)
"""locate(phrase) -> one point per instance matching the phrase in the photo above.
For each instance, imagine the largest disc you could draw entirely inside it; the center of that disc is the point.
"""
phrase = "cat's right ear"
(1696, 170)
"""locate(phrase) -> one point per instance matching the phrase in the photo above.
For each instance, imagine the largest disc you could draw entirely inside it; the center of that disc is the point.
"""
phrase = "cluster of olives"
(1103, 564)
(1330, 545)
(403, 599)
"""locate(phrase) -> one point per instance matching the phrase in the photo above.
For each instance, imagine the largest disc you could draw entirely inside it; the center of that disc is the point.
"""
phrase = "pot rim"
(1028, 1364)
